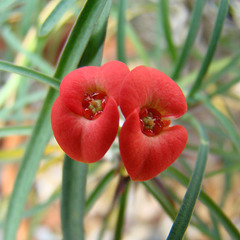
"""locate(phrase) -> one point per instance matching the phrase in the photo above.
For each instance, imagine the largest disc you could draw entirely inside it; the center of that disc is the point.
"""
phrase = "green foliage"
(192, 33)
(30, 48)
(222, 12)
(55, 16)
(73, 198)
(8, 67)
(186, 210)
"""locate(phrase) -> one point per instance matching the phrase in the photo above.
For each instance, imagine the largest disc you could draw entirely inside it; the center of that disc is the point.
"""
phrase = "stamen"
(93, 104)
(151, 121)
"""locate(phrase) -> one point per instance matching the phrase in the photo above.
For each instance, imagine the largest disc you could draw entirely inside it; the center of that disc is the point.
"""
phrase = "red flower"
(148, 145)
(85, 116)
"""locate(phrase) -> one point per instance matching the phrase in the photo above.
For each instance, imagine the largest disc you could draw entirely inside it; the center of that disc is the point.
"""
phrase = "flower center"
(93, 104)
(151, 122)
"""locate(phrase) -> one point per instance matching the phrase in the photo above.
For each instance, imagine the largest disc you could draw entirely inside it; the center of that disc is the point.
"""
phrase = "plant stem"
(73, 198)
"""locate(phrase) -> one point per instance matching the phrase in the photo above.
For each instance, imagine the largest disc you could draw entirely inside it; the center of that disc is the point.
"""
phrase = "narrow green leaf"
(225, 87)
(185, 213)
(186, 166)
(121, 213)
(55, 16)
(21, 91)
(27, 72)
(231, 156)
(103, 228)
(6, 112)
(69, 60)
(196, 221)
(225, 122)
(223, 70)
(215, 227)
(167, 28)
(204, 228)
(137, 44)
(41, 207)
(29, 166)
(206, 200)
(161, 198)
(16, 130)
(221, 15)
(7, 88)
(220, 216)
(121, 25)
(228, 177)
(192, 32)
(93, 52)
(73, 198)
(30, 17)
(158, 49)
(187, 80)
(98, 190)
(16, 44)
(131, 34)
(5, 4)
(229, 169)
(74, 173)
(79, 38)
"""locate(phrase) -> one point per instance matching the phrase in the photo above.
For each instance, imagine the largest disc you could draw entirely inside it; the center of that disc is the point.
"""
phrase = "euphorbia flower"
(149, 99)
(85, 116)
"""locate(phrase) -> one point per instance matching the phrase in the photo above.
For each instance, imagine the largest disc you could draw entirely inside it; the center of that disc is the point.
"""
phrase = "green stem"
(27, 72)
(161, 198)
(225, 87)
(68, 61)
(196, 17)
(73, 199)
(122, 209)
(121, 31)
(167, 28)
(210, 204)
(222, 11)
(232, 62)
(98, 190)
(73, 207)
(185, 213)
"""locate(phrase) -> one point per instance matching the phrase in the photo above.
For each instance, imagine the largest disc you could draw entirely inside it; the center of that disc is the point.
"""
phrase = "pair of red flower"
(85, 117)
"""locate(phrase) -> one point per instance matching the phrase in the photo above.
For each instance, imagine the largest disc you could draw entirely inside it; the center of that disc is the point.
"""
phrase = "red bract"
(149, 99)
(85, 116)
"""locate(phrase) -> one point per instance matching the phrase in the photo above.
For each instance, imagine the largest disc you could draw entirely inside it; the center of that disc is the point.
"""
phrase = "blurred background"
(21, 100)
